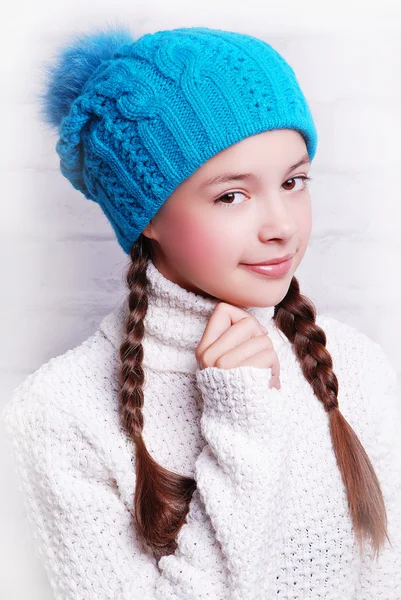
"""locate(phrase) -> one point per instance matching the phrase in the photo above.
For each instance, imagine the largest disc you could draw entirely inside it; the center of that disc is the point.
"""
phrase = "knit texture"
(156, 109)
(269, 517)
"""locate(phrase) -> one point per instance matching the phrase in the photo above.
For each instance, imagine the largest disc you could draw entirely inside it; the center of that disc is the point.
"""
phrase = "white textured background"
(62, 269)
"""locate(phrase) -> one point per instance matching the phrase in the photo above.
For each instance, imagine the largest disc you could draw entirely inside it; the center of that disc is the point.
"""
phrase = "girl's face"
(203, 241)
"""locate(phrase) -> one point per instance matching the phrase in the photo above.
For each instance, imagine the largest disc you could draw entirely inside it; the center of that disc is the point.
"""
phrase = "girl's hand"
(234, 338)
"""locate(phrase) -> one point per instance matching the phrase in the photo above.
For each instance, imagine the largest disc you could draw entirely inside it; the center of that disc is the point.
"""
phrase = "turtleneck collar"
(174, 323)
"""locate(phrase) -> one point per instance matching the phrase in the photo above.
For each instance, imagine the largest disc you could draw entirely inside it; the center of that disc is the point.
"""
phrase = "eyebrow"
(225, 177)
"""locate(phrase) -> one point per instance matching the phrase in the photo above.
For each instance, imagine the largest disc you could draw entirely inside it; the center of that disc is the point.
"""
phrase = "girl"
(214, 438)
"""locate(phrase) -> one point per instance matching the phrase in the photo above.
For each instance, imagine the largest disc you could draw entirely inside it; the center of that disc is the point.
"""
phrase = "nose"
(278, 219)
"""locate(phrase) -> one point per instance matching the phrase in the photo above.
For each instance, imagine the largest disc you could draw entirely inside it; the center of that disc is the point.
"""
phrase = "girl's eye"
(302, 177)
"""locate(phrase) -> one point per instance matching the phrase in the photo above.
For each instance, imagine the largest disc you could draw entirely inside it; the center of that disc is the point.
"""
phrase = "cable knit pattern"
(156, 109)
(269, 517)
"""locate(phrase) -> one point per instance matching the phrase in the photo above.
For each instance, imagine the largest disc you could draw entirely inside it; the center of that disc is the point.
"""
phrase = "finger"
(275, 383)
(241, 332)
(223, 317)
(266, 359)
(235, 356)
(259, 360)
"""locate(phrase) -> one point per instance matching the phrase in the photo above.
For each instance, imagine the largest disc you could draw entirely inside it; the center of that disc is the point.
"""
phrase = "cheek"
(303, 216)
(304, 226)
(198, 244)
(203, 246)
(306, 223)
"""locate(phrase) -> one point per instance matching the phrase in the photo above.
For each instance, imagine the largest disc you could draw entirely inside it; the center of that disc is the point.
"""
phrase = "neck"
(174, 323)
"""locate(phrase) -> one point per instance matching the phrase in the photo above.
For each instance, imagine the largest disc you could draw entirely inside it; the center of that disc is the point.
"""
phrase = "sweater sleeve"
(242, 474)
(381, 579)
(84, 533)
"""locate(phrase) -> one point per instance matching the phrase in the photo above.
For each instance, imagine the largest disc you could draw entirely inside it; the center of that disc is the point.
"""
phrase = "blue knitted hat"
(137, 117)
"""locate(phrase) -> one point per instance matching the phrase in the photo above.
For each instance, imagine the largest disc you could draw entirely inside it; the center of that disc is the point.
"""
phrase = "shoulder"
(78, 384)
(364, 369)
(338, 330)
(354, 347)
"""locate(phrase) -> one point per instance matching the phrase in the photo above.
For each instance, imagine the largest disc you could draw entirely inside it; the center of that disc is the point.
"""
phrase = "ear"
(147, 232)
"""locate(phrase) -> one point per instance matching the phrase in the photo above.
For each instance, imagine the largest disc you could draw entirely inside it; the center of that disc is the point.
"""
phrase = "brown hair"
(162, 497)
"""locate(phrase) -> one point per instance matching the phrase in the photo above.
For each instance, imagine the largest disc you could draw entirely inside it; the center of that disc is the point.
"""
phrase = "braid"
(162, 497)
(295, 316)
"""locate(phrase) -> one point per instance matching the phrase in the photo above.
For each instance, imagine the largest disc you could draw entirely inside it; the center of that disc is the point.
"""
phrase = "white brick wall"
(62, 269)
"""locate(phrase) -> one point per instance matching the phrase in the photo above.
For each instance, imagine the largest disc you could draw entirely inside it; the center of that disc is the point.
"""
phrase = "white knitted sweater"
(269, 517)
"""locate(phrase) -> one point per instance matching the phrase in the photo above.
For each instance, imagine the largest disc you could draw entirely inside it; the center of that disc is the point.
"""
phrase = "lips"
(271, 271)
(273, 261)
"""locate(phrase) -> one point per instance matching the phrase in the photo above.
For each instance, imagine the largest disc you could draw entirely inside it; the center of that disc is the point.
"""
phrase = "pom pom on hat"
(65, 77)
